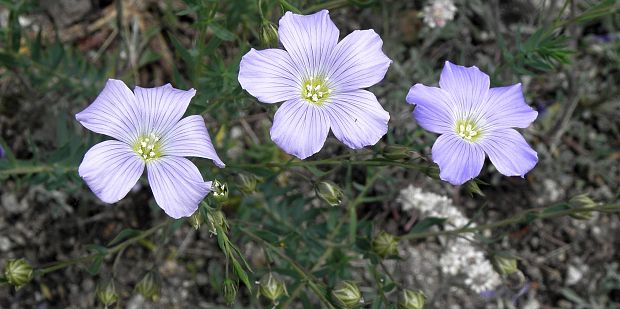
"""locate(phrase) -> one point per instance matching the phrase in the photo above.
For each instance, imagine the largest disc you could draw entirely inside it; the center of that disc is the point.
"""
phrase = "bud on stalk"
(346, 294)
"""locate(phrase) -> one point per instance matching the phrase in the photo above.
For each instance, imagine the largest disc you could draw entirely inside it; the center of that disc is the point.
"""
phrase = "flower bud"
(217, 219)
(397, 152)
(346, 294)
(150, 286)
(106, 292)
(196, 219)
(504, 264)
(220, 191)
(385, 244)
(269, 34)
(18, 272)
(410, 299)
(582, 201)
(329, 192)
(247, 183)
(229, 291)
(271, 287)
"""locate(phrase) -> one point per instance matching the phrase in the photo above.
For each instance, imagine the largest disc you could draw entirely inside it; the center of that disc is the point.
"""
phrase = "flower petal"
(358, 61)
(357, 118)
(269, 75)
(162, 107)
(177, 185)
(309, 39)
(114, 113)
(458, 160)
(509, 152)
(434, 110)
(505, 107)
(111, 169)
(300, 128)
(468, 87)
(189, 138)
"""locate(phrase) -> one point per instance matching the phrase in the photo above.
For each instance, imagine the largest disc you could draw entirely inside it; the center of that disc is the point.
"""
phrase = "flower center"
(467, 130)
(315, 90)
(148, 147)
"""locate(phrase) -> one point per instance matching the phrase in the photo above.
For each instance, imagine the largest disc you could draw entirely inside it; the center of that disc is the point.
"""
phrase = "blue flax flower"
(321, 82)
(149, 132)
(474, 120)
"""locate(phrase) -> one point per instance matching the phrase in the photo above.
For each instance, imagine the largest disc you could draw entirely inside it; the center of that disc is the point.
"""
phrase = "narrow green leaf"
(425, 224)
(97, 248)
(243, 276)
(122, 235)
(222, 32)
(95, 265)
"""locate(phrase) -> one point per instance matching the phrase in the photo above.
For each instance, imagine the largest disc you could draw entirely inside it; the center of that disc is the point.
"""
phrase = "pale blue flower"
(320, 81)
(148, 132)
(473, 120)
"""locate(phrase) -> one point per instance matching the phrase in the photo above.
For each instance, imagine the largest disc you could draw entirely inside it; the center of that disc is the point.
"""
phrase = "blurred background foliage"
(55, 57)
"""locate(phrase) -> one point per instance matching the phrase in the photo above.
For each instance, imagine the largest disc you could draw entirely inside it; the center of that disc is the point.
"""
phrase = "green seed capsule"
(346, 294)
(229, 291)
(106, 292)
(150, 286)
(271, 287)
(410, 299)
(18, 272)
(385, 244)
(329, 192)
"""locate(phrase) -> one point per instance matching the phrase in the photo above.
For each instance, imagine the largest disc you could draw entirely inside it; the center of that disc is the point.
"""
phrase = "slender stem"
(524, 216)
(21, 170)
(422, 167)
(325, 5)
(63, 264)
(303, 272)
(330, 248)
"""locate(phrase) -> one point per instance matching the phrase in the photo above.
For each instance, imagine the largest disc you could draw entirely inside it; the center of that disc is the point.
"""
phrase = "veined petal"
(309, 39)
(177, 185)
(358, 61)
(434, 110)
(114, 113)
(505, 107)
(162, 107)
(468, 87)
(458, 160)
(189, 138)
(269, 75)
(111, 169)
(509, 152)
(357, 119)
(300, 128)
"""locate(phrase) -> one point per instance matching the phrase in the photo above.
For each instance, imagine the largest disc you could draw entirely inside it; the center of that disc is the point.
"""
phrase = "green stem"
(112, 250)
(308, 277)
(325, 5)
(422, 167)
(21, 170)
(524, 216)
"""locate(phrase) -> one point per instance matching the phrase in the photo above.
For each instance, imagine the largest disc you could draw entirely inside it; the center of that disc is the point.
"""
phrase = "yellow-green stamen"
(148, 147)
(467, 130)
(315, 90)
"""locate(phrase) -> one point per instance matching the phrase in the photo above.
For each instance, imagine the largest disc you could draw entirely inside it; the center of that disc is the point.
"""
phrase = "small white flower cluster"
(437, 13)
(461, 257)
